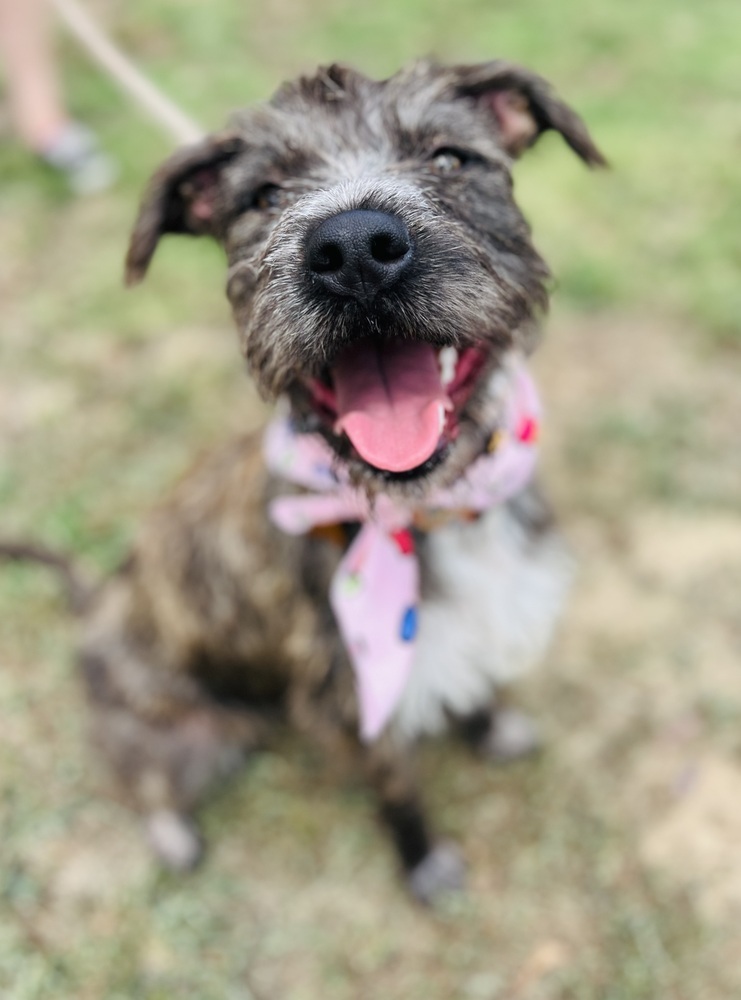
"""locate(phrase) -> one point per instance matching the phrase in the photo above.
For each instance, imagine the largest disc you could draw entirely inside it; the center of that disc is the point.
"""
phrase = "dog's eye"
(447, 160)
(267, 196)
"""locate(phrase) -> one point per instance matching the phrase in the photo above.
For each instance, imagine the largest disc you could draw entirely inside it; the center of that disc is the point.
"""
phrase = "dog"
(386, 290)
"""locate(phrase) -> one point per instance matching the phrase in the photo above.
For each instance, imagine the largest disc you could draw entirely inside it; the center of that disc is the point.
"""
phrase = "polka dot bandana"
(375, 590)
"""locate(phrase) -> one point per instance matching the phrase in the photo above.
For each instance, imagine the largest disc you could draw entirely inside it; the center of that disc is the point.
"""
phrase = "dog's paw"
(441, 872)
(174, 840)
(512, 735)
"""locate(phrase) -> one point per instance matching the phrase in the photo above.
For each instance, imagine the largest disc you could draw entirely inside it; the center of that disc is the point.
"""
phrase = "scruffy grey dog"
(362, 221)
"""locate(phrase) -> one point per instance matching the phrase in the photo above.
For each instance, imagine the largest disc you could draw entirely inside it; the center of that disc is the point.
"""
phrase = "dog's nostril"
(386, 248)
(326, 258)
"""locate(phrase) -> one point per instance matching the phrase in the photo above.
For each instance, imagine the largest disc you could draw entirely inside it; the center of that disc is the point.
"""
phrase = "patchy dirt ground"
(654, 630)
(609, 868)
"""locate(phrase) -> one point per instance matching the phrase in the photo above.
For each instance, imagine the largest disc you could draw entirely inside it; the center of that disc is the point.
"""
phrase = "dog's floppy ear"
(182, 197)
(523, 105)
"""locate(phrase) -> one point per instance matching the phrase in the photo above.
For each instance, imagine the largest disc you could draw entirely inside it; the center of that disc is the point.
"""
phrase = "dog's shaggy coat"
(218, 614)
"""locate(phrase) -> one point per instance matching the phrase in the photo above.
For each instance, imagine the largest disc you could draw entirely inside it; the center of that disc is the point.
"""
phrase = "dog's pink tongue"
(390, 401)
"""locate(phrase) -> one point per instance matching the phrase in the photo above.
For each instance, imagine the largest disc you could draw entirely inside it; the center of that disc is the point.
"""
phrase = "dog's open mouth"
(397, 400)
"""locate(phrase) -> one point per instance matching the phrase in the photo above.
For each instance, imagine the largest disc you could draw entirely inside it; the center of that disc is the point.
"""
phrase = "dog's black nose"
(359, 253)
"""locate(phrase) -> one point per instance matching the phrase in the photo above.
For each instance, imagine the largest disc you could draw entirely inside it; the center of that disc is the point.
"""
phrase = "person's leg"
(36, 103)
(40, 117)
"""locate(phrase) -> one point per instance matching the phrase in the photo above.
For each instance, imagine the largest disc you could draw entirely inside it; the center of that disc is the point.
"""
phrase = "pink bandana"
(375, 589)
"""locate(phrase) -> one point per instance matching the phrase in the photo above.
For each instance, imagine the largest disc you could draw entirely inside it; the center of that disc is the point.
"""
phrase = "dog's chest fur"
(494, 589)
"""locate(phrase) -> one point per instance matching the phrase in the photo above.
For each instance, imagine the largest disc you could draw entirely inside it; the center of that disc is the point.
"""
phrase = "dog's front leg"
(431, 868)
(328, 714)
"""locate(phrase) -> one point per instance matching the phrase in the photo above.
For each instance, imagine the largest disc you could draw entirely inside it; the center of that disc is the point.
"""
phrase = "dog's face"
(379, 267)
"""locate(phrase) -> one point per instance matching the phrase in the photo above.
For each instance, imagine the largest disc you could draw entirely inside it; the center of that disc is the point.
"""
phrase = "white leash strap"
(182, 128)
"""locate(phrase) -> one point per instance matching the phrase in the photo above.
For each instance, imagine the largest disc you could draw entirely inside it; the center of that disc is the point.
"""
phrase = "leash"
(124, 73)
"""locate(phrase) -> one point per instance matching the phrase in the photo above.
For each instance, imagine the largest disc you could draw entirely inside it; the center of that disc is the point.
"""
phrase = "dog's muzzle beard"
(384, 342)
(385, 394)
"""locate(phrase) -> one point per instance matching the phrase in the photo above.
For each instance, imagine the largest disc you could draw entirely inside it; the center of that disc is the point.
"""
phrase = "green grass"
(105, 396)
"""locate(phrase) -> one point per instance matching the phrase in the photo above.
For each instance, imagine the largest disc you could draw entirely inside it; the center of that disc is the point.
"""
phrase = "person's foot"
(76, 154)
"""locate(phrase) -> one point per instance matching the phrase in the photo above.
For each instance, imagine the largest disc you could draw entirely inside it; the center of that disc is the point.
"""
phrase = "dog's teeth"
(447, 359)
(441, 416)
